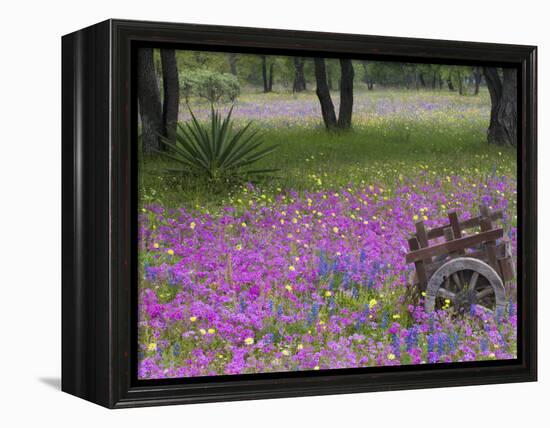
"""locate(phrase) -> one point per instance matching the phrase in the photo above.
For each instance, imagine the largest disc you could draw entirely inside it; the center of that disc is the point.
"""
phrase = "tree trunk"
(329, 80)
(232, 57)
(323, 93)
(149, 101)
(450, 84)
(367, 79)
(460, 84)
(422, 80)
(264, 73)
(299, 84)
(171, 88)
(503, 92)
(346, 94)
(477, 79)
(270, 82)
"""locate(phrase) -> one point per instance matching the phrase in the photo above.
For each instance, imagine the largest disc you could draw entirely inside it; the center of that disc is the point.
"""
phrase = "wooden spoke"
(484, 293)
(456, 280)
(486, 310)
(446, 294)
(473, 280)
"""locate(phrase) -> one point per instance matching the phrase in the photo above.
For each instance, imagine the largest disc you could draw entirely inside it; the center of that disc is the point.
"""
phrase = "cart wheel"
(463, 282)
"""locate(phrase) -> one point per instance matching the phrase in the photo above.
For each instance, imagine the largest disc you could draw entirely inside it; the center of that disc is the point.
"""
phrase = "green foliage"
(211, 85)
(214, 150)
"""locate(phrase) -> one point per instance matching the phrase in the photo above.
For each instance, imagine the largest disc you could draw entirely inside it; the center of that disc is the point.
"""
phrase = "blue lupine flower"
(441, 344)
(331, 306)
(430, 343)
(176, 350)
(385, 320)
(324, 267)
(412, 339)
(396, 345)
(367, 311)
(484, 345)
(511, 309)
(345, 281)
(313, 313)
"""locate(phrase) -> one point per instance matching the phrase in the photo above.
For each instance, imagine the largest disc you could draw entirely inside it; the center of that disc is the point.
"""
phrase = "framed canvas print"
(253, 213)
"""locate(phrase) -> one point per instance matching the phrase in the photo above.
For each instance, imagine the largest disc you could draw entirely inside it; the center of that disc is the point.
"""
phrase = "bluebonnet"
(324, 267)
(430, 343)
(345, 281)
(385, 320)
(511, 309)
(441, 344)
(412, 339)
(362, 257)
(396, 345)
(313, 313)
(176, 350)
(367, 311)
(484, 345)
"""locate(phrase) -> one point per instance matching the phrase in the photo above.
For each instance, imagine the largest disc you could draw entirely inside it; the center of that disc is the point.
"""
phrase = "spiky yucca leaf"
(216, 149)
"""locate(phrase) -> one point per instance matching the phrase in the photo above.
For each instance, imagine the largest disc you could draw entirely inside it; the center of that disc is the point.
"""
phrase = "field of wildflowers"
(305, 270)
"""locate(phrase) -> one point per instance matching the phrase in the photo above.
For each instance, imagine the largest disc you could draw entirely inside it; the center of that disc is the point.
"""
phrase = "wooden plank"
(449, 236)
(455, 227)
(490, 245)
(506, 265)
(421, 234)
(419, 265)
(457, 244)
(437, 232)
(484, 211)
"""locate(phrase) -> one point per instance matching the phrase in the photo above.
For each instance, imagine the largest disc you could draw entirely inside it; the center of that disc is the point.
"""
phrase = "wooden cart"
(463, 270)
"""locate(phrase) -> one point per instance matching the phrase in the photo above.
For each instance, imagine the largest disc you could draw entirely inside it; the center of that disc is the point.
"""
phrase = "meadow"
(304, 268)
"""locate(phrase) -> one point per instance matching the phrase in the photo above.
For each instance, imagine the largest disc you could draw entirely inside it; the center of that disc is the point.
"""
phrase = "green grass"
(380, 149)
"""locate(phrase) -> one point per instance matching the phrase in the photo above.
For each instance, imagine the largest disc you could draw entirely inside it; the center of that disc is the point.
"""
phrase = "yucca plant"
(215, 149)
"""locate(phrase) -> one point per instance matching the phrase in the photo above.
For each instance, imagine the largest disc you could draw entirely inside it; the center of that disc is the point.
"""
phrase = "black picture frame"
(99, 214)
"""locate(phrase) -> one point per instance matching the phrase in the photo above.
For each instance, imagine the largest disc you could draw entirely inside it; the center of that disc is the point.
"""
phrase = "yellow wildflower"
(156, 245)
(152, 347)
(391, 356)
(171, 252)
(211, 331)
(249, 341)
(328, 293)
(193, 319)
